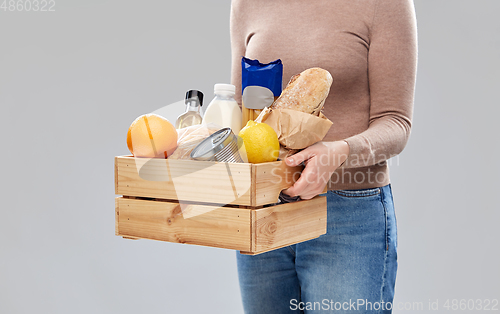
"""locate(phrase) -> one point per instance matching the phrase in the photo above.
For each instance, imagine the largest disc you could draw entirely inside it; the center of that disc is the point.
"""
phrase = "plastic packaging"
(190, 137)
(261, 84)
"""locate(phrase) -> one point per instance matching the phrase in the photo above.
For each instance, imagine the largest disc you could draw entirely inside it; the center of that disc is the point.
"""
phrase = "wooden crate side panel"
(209, 182)
(271, 178)
(253, 187)
(222, 227)
(116, 216)
(272, 249)
(116, 175)
(290, 223)
(253, 233)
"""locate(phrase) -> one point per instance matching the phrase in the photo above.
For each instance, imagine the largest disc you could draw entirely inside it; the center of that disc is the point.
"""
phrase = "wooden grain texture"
(223, 227)
(202, 181)
(272, 177)
(116, 216)
(252, 231)
(273, 248)
(211, 182)
(253, 191)
(289, 223)
(116, 175)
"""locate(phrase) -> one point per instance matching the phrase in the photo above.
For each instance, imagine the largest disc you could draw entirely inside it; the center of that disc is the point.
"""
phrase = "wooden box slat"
(251, 231)
(165, 221)
(210, 182)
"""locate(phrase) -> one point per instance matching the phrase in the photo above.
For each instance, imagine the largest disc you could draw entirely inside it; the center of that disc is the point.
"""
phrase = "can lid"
(225, 88)
(193, 94)
(213, 144)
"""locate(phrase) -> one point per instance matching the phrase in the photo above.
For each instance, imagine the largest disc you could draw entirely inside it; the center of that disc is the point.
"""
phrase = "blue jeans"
(350, 269)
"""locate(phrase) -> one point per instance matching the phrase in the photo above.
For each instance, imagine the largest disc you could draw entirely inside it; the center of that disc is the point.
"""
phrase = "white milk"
(223, 110)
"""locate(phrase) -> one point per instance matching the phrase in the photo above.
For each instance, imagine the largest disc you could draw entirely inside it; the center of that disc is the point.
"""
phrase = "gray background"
(72, 81)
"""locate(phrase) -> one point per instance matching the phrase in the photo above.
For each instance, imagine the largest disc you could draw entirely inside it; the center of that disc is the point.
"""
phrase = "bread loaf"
(306, 91)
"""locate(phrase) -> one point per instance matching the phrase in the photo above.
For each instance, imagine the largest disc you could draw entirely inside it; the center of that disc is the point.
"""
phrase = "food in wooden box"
(296, 115)
(306, 91)
(151, 136)
(190, 137)
(261, 142)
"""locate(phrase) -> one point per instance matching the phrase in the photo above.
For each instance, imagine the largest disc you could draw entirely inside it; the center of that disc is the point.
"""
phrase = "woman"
(370, 48)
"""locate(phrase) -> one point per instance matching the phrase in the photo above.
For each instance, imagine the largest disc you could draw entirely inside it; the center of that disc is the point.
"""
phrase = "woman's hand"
(321, 160)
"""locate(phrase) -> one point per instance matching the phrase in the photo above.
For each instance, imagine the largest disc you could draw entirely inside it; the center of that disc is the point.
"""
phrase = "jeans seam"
(386, 249)
(291, 250)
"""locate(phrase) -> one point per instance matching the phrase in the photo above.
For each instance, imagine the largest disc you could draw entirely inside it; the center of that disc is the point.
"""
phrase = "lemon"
(261, 142)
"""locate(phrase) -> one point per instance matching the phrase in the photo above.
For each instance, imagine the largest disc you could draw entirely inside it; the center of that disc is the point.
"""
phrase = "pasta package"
(261, 85)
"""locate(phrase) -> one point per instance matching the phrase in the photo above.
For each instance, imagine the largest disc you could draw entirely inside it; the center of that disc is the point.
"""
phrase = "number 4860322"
(28, 5)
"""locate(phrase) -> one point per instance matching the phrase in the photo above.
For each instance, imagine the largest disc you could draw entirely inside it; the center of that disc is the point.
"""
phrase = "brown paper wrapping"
(295, 129)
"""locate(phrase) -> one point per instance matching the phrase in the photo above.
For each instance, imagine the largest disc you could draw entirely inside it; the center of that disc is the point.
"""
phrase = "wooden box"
(225, 205)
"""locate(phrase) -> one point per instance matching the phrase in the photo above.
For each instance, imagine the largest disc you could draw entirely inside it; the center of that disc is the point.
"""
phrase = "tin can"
(221, 146)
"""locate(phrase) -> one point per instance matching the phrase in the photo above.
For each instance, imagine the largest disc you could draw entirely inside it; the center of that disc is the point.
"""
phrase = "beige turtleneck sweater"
(369, 47)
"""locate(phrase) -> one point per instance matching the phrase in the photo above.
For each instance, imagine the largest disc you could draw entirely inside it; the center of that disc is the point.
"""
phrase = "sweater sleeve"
(238, 45)
(392, 63)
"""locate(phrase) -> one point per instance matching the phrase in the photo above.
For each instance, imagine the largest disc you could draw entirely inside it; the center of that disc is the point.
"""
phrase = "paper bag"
(295, 129)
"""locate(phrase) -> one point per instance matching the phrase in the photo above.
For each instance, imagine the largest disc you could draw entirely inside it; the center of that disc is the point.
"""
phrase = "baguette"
(306, 91)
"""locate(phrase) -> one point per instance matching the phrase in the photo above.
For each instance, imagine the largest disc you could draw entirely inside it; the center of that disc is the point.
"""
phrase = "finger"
(297, 188)
(305, 182)
(299, 157)
(288, 192)
(307, 196)
(317, 190)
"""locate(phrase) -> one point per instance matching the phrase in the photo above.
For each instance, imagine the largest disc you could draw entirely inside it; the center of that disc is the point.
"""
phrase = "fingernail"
(289, 160)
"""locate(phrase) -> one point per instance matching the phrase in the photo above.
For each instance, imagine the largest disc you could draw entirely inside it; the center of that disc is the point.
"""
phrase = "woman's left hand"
(321, 160)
